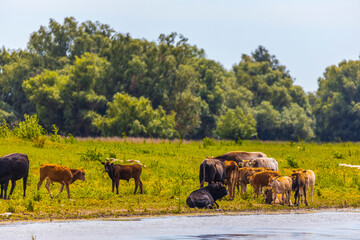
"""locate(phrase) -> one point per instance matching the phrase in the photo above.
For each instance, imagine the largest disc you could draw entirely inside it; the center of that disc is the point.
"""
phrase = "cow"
(261, 179)
(283, 186)
(239, 156)
(261, 162)
(61, 174)
(299, 186)
(310, 178)
(232, 177)
(212, 171)
(12, 168)
(119, 172)
(245, 173)
(268, 197)
(206, 197)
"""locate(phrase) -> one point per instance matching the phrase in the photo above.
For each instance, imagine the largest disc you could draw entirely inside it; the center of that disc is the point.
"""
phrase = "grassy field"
(171, 173)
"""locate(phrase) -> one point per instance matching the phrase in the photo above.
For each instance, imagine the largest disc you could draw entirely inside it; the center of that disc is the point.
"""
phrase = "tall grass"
(171, 173)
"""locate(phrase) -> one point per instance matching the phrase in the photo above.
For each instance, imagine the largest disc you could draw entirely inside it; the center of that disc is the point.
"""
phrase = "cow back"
(239, 156)
(13, 166)
(56, 173)
(126, 172)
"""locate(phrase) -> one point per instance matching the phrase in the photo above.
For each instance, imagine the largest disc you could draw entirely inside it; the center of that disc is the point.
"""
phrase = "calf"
(206, 197)
(212, 171)
(261, 179)
(245, 173)
(125, 172)
(239, 156)
(262, 162)
(283, 186)
(12, 168)
(61, 174)
(269, 198)
(299, 186)
(232, 177)
(310, 177)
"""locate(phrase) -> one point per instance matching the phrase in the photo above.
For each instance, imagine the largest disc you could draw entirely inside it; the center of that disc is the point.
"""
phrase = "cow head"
(245, 163)
(108, 166)
(218, 190)
(268, 195)
(272, 180)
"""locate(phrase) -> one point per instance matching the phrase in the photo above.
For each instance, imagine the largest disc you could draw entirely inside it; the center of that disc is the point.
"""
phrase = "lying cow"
(239, 156)
(299, 186)
(245, 173)
(12, 168)
(283, 186)
(119, 172)
(206, 197)
(269, 198)
(232, 177)
(61, 174)
(310, 177)
(211, 171)
(260, 180)
(262, 162)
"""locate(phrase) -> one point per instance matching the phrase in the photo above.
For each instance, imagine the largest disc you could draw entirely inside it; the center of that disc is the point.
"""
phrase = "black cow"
(12, 168)
(299, 186)
(206, 197)
(212, 171)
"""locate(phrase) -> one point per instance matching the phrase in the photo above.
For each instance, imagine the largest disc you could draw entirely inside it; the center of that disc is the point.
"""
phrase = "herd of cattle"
(239, 168)
(233, 169)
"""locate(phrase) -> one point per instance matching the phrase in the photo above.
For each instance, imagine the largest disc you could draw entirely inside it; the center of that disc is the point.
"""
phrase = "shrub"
(70, 139)
(4, 129)
(292, 162)
(29, 128)
(55, 137)
(208, 142)
(91, 155)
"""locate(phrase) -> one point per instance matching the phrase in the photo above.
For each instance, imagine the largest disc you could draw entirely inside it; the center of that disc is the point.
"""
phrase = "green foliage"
(55, 137)
(292, 162)
(70, 139)
(91, 155)
(29, 206)
(208, 142)
(38, 142)
(236, 124)
(29, 128)
(135, 117)
(4, 129)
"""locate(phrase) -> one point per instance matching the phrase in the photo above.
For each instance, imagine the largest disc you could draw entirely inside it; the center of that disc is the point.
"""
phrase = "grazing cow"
(239, 156)
(299, 186)
(119, 172)
(283, 186)
(268, 197)
(232, 177)
(310, 180)
(12, 168)
(245, 173)
(61, 174)
(261, 162)
(261, 179)
(206, 197)
(211, 171)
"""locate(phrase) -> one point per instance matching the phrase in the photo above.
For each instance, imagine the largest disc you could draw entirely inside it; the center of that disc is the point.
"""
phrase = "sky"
(306, 36)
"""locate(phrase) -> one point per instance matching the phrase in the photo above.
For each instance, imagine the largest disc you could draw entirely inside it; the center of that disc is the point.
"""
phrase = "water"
(319, 225)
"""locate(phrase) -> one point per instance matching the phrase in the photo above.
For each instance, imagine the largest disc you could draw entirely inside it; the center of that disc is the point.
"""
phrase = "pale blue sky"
(306, 36)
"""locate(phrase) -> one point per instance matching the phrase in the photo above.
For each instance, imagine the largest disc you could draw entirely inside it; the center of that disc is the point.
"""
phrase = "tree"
(236, 124)
(135, 117)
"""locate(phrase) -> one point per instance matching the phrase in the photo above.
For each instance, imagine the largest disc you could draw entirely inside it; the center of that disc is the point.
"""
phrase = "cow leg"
(24, 183)
(136, 185)
(141, 186)
(306, 203)
(283, 199)
(61, 188)
(113, 185)
(5, 187)
(217, 205)
(47, 186)
(67, 189)
(117, 186)
(312, 192)
(40, 182)
(13, 184)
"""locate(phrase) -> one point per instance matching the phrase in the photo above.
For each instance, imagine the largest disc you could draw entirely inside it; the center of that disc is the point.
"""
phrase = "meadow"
(169, 176)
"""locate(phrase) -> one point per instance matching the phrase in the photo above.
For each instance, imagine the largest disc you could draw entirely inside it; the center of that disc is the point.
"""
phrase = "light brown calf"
(261, 179)
(283, 186)
(232, 177)
(61, 174)
(245, 173)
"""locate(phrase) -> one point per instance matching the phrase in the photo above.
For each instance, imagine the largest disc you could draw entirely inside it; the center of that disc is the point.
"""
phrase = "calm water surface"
(319, 225)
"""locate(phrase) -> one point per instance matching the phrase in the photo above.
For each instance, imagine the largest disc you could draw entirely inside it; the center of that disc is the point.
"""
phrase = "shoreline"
(9, 221)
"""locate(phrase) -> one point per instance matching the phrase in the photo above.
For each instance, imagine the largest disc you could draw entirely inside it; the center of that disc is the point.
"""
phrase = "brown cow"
(261, 179)
(245, 173)
(61, 174)
(125, 172)
(239, 156)
(310, 178)
(211, 171)
(299, 185)
(268, 197)
(232, 177)
(283, 186)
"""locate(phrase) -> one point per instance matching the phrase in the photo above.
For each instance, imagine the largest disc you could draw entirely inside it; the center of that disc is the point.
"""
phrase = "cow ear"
(304, 171)
(112, 164)
(102, 163)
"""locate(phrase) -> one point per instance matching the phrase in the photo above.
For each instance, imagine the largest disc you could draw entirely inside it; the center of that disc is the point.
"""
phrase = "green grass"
(171, 173)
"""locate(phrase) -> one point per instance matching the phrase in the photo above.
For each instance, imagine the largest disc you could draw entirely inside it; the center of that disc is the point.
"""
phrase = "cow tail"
(202, 175)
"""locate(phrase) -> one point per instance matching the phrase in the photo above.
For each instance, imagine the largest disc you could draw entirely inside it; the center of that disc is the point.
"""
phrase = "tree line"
(89, 80)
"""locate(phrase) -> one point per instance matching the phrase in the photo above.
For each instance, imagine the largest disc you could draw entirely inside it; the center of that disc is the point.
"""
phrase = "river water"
(317, 225)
